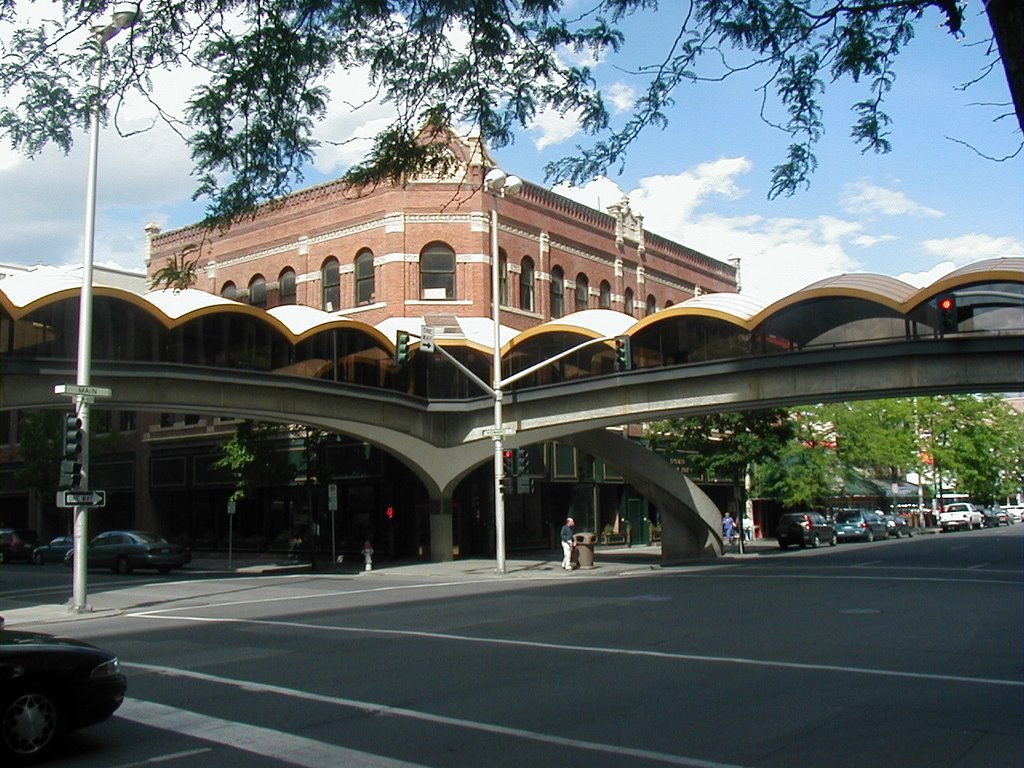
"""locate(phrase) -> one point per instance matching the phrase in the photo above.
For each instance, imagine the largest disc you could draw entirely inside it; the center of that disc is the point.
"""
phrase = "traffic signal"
(522, 461)
(623, 353)
(508, 471)
(947, 312)
(401, 348)
(508, 463)
(71, 464)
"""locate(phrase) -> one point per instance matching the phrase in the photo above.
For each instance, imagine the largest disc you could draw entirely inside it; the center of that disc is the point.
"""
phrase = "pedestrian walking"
(568, 542)
(728, 528)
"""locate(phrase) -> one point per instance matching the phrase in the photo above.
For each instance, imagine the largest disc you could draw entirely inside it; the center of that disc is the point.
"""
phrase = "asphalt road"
(899, 653)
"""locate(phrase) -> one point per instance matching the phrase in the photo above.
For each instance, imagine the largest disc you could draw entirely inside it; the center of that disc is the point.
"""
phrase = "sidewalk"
(609, 562)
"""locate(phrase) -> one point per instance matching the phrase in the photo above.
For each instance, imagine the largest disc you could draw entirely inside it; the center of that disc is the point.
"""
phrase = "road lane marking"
(164, 758)
(599, 650)
(377, 709)
(276, 745)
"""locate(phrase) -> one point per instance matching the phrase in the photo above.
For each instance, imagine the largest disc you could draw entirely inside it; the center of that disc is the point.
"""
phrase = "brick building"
(424, 249)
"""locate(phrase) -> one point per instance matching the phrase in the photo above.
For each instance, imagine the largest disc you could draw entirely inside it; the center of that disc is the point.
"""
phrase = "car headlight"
(106, 669)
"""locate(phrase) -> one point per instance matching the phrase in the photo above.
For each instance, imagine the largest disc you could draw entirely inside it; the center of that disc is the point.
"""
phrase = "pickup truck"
(960, 516)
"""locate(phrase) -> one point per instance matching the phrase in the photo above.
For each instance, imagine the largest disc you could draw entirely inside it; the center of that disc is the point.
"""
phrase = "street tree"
(491, 65)
(40, 447)
(725, 445)
(253, 458)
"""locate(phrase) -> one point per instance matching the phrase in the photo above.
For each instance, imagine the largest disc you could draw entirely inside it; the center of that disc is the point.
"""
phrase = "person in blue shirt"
(728, 528)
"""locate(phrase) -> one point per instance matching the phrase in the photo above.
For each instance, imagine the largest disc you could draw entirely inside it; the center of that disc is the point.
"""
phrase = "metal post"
(124, 15)
(499, 498)
(80, 577)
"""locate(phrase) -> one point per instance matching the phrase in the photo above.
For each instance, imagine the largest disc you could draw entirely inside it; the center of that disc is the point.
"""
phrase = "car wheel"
(815, 541)
(871, 536)
(37, 558)
(121, 565)
(28, 724)
(833, 541)
(783, 545)
(2, 556)
(164, 569)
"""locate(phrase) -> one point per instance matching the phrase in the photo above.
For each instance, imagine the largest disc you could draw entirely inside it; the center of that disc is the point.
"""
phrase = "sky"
(936, 202)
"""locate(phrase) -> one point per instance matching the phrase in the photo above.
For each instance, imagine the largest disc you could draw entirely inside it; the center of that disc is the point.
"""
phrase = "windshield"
(848, 517)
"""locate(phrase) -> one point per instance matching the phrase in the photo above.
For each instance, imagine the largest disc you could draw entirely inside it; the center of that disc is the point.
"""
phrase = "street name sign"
(81, 390)
(81, 499)
(499, 432)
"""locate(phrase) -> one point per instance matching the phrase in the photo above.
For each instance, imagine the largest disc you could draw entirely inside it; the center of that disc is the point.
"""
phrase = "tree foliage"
(252, 458)
(493, 65)
(40, 438)
(178, 274)
(723, 445)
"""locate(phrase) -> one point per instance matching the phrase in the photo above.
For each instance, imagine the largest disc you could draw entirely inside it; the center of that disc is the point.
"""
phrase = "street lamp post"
(499, 184)
(123, 15)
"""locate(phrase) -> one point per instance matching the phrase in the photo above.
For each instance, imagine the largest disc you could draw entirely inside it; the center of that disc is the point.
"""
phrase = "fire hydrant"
(368, 555)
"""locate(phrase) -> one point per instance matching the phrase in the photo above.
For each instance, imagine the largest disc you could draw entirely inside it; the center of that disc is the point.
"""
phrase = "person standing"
(568, 542)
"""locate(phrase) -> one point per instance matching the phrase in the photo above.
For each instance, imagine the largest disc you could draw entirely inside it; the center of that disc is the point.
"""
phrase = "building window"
(286, 287)
(365, 285)
(526, 284)
(258, 292)
(557, 292)
(127, 421)
(605, 299)
(502, 277)
(582, 292)
(628, 303)
(437, 272)
(229, 291)
(652, 304)
(330, 280)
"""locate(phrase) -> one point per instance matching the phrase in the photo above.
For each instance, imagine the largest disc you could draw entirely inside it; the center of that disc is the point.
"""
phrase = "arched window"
(628, 303)
(502, 277)
(557, 292)
(258, 292)
(582, 292)
(437, 272)
(604, 300)
(526, 278)
(330, 281)
(652, 304)
(365, 286)
(229, 291)
(286, 286)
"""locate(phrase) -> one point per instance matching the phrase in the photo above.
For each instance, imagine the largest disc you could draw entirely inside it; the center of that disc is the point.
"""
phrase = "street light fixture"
(123, 15)
(499, 184)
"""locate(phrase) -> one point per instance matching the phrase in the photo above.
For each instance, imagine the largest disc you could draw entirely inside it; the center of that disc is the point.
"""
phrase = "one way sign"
(81, 498)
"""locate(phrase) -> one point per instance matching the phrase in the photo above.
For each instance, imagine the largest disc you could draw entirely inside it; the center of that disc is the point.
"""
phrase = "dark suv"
(803, 528)
(17, 544)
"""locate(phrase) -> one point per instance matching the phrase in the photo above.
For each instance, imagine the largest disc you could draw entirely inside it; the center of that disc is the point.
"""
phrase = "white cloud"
(550, 128)
(921, 279)
(621, 96)
(974, 246)
(865, 198)
(778, 255)
(868, 241)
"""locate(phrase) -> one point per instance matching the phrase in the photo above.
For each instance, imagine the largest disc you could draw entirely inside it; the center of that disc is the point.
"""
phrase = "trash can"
(585, 548)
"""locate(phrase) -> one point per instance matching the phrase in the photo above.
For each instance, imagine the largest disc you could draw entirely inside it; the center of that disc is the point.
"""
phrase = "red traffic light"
(946, 303)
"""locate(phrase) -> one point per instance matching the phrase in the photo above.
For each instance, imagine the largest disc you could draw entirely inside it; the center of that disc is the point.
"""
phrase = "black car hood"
(21, 639)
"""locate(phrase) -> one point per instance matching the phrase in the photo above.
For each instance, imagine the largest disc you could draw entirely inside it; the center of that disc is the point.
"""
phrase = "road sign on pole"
(67, 499)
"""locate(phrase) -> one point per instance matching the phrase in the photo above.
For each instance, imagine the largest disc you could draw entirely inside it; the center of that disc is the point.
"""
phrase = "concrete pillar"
(441, 542)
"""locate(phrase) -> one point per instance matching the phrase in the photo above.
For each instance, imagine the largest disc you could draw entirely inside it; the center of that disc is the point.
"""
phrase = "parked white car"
(960, 516)
(1014, 514)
